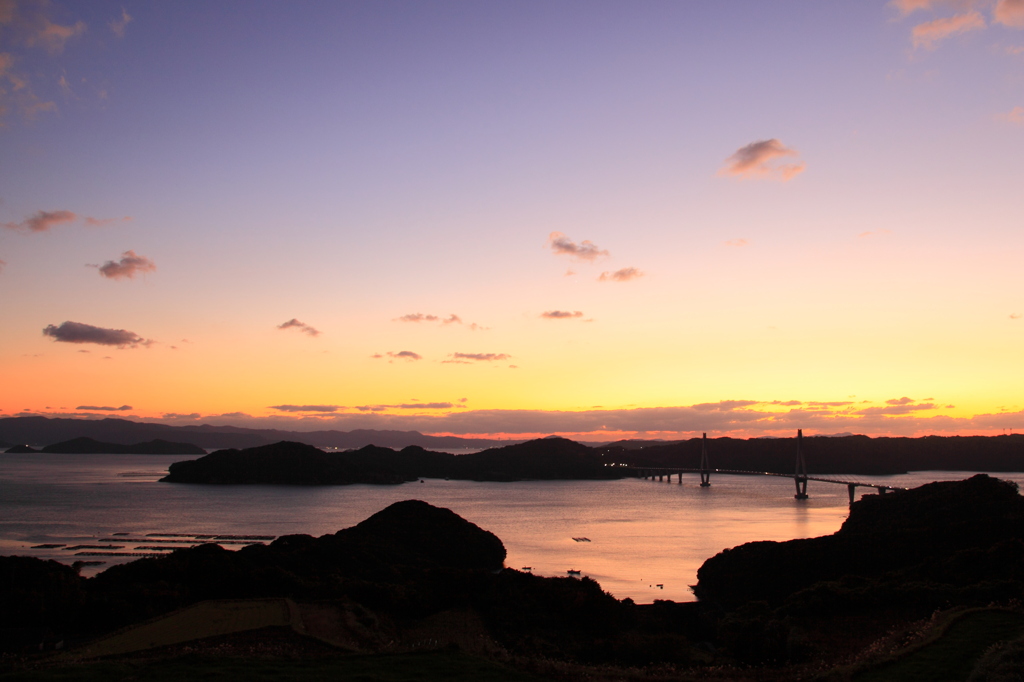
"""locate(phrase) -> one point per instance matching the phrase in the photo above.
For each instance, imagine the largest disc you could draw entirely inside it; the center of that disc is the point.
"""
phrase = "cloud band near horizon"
(736, 418)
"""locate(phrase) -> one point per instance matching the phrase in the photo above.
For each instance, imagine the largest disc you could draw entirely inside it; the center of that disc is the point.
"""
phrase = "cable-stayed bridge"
(799, 476)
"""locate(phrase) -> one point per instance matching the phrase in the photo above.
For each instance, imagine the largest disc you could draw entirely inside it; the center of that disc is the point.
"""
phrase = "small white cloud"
(130, 264)
(584, 251)
(762, 160)
(301, 326)
(623, 275)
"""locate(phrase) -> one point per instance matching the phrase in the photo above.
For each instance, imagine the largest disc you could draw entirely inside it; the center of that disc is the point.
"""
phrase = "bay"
(638, 538)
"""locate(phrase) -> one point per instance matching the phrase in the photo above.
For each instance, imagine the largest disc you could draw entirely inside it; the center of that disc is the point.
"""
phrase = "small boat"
(660, 586)
(582, 539)
(526, 568)
(573, 571)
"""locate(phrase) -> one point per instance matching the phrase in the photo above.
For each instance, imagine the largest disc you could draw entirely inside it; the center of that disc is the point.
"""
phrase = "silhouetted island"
(21, 450)
(904, 567)
(299, 464)
(88, 446)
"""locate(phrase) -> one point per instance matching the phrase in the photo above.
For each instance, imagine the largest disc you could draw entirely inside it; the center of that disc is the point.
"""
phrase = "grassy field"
(418, 667)
(206, 619)
(954, 654)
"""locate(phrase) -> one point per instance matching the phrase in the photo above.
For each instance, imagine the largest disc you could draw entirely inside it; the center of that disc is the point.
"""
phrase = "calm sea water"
(646, 539)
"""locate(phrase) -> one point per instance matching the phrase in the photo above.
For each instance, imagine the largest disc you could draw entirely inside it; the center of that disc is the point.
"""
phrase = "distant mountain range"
(42, 431)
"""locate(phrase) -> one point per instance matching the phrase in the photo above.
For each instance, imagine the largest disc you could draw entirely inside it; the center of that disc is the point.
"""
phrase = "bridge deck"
(676, 470)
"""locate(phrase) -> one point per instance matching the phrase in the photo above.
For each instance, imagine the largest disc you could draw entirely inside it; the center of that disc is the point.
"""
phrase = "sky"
(511, 219)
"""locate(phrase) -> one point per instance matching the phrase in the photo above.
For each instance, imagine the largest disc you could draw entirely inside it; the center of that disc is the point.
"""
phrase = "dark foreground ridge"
(944, 561)
(298, 464)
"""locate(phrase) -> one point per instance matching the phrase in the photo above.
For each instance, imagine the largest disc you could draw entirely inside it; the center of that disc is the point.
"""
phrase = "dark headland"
(942, 563)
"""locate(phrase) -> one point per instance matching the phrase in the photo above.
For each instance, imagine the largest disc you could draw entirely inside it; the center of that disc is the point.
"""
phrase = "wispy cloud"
(443, 321)
(895, 406)
(130, 264)
(906, 7)
(584, 251)
(404, 355)
(406, 406)
(41, 221)
(95, 408)
(478, 357)
(27, 25)
(100, 222)
(18, 94)
(417, 317)
(118, 25)
(50, 36)
(736, 242)
(301, 326)
(1016, 316)
(3, 264)
(306, 408)
(1015, 116)
(77, 332)
(873, 233)
(561, 314)
(930, 33)
(192, 416)
(1010, 13)
(761, 160)
(623, 275)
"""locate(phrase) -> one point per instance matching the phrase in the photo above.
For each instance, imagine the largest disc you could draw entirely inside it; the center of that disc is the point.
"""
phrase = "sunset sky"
(597, 219)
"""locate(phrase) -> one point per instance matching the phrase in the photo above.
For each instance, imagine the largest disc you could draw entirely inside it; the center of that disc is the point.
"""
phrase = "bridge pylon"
(705, 469)
(801, 467)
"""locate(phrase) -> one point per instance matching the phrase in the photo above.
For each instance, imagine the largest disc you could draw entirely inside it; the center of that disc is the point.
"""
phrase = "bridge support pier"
(705, 469)
(853, 491)
(801, 467)
(801, 488)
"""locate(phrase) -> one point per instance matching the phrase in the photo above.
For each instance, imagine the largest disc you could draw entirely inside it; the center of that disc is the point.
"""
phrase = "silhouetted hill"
(545, 458)
(45, 430)
(950, 533)
(89, 446)
(405, 563)
(21, 449)
(297, 463)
